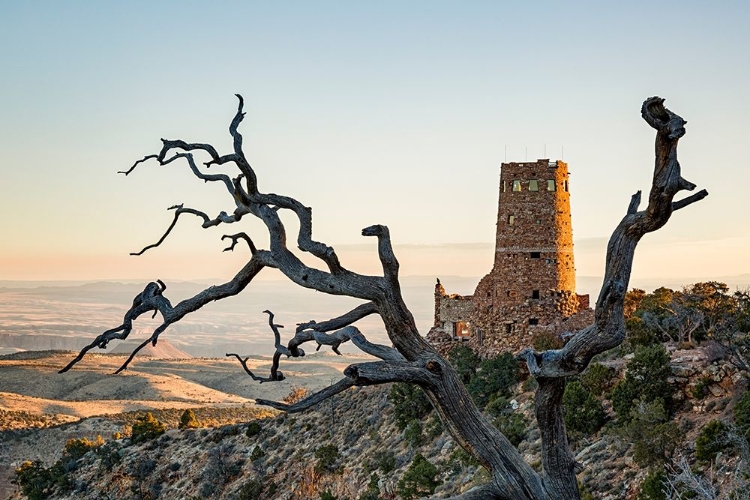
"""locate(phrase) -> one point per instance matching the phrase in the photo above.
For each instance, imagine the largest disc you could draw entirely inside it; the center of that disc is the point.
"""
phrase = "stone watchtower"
(531, 287)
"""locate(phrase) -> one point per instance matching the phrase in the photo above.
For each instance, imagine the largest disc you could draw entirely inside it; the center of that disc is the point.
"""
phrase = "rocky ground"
(280, 461)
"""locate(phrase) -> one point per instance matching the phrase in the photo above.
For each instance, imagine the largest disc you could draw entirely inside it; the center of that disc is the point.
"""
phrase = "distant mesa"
(163, 350)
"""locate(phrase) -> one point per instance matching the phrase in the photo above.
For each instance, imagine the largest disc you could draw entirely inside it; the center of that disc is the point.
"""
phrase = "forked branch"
(608, 330)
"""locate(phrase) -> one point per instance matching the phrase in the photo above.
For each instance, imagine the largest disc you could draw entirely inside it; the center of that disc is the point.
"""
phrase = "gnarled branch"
(275, 376)
(412, 359)
(152, 299)
(235, 238)
(207, 222)
(608, 330)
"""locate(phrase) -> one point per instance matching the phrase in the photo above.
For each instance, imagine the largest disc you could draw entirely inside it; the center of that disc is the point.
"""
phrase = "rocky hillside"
(351, 447)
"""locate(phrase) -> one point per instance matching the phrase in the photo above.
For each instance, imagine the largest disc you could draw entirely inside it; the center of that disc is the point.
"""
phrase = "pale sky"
(396, 113)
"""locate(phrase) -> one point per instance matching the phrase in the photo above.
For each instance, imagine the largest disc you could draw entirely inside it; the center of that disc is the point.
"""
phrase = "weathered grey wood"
(275, 376)
(412, 359)
(608, 330)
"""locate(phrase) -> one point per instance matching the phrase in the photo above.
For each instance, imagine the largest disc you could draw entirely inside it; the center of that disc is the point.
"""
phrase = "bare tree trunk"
(411, 359)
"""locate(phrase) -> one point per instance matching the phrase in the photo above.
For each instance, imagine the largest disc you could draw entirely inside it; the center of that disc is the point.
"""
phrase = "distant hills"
(45, 315)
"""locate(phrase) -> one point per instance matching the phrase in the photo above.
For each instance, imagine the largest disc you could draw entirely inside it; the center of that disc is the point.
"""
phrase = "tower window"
(508, 328)
(516, 185)
(505, 186)
(533, 321)
(511, 219)
(551, 185)
(536, 255)
(535, 294)
(565, 186)
(533, 185)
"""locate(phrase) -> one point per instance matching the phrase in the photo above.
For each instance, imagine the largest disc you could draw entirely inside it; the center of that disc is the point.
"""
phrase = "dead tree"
(411, 359)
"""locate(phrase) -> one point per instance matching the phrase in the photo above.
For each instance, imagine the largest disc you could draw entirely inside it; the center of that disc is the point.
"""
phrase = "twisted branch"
(274, 377)
(152, 299)
(235, 238)
(223, 217)
(608, 330)
(362, 374)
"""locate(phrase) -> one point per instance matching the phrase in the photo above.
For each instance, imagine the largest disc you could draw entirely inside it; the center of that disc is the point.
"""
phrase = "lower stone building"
(463, 319)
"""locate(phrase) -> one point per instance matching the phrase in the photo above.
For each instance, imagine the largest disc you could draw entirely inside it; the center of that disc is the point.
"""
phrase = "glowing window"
(533, 185)
(511, 219)
(505, 186)
(516, 185)
(551, 185)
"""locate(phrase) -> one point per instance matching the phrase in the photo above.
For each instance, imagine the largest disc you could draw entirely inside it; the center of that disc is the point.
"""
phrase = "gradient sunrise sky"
(370, 112)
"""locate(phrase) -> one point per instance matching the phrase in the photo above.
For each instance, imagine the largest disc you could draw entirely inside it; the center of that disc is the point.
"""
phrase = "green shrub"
(327, 495)
(585, 493)
(253, 429)
(546, 341)
(251, 490)
(38, 482)
(623, 396)
(327, 456)
(582, 412)
(711, 440)
(419, 479)
(646, 380)
(651, 368)
(497, 406)
(146, 428)
(700, 390)
(77, 448)
(188, 420)
(434, 427)
(413, 434)
(35, 480)
(513, 425)
(652, 487)
(110, 456)
(257, 453)
(653, 436)
(409, 403)
(465, 361)
(597, 378)
(373, 490)
(495, 377)
(638, 334)
(385, 461)
(460, 457)
(742, 414)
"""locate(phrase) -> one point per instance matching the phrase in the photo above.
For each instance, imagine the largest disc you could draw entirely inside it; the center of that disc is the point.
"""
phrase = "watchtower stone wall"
(531, 287)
